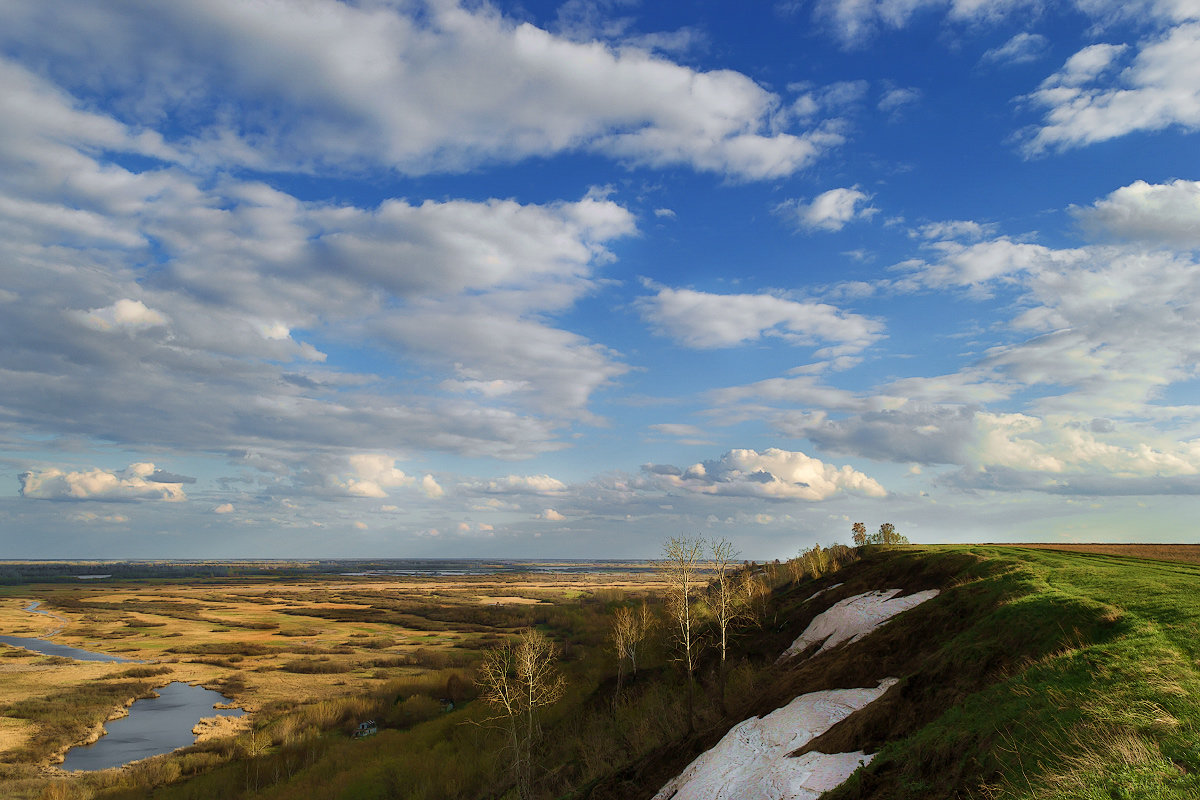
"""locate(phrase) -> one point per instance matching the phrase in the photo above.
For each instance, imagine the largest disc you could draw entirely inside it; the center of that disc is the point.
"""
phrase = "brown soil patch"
(1187, 553)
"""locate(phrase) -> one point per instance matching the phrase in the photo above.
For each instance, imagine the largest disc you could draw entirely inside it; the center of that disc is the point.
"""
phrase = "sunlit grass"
(1111, 711)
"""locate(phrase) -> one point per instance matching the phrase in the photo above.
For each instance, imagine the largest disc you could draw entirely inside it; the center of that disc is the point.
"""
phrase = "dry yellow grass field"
(268, 643)
(13, 732)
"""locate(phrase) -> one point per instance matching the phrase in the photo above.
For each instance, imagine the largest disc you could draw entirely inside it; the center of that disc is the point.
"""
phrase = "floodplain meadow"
(304, 655)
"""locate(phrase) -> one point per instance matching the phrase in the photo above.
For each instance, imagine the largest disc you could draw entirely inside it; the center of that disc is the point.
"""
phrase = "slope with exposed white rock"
(752, 762)
(855, 617)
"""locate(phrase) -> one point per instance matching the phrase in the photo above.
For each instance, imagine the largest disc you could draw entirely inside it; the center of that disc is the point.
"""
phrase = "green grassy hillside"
(1078, 677)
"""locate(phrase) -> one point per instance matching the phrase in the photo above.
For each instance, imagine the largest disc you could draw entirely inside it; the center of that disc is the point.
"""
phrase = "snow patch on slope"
(853, 618)
(815, 595)
(751, 761)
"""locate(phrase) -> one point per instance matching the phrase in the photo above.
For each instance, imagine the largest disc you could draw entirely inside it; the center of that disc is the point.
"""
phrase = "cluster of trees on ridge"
(707, 596)
(885, 535)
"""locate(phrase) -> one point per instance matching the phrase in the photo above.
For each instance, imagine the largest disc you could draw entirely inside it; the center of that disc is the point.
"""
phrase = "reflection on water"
(155, 725)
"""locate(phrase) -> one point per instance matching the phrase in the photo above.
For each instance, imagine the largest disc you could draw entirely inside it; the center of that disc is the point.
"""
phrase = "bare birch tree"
(754, 593)
(500, 689)
(816, 560)
(518, 680)
(796, 567)
(621, 632)
(681, 572)
(723, 595)
(644, 623)
(629, 629)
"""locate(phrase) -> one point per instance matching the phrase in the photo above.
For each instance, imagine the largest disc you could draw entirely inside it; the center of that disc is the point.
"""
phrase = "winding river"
(154, 725)
(49, 648)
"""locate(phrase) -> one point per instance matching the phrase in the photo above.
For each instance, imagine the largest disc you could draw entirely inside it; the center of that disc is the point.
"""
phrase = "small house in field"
(368, 728)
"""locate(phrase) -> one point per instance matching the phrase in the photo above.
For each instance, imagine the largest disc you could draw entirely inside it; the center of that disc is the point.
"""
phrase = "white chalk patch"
(751, 761)
(853, 618)
(823, 591)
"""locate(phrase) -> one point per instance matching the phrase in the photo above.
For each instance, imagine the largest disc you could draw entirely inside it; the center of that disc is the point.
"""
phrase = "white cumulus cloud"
(1159, 213)
(522, 484)
(125, 314)
(373, 474)
(856, 22)
(1090, 100)
(1001, 260)
(243, 271)
(431, 488)
(895, 99)
(831, 210)
(773, 473)
(703, 320)
(136, 482)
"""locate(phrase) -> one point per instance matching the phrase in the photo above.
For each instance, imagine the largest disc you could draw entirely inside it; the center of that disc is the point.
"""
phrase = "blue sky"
(390, 279)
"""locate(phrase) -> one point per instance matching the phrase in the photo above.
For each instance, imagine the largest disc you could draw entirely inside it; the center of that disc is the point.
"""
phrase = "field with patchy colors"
(1185, 553)
(275, 647)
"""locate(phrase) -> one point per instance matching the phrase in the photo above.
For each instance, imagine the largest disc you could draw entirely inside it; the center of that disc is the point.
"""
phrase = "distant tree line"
(886, 534)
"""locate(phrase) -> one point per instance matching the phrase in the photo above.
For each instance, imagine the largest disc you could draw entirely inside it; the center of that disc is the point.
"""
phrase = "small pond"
(155, 725)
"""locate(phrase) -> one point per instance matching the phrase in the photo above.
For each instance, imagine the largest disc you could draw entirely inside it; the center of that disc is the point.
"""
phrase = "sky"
(305, 278)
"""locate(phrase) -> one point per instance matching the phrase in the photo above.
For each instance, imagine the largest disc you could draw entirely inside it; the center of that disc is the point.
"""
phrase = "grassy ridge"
(1035, 674)
(1103, 701)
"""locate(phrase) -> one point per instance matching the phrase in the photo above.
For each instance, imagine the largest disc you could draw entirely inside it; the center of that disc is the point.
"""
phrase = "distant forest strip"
(21, 571)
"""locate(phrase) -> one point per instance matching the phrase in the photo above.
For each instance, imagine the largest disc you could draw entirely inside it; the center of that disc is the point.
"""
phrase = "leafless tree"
(754, 593)
(517, 680)
(629, 629)
(254, 746)
(621, 632)
(796, 568)
(644, 623)
(681, 572)
(722, 593)
(816, 560)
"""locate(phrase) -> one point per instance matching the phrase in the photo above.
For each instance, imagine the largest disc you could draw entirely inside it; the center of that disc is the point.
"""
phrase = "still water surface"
(49, 648)
(155, 725)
